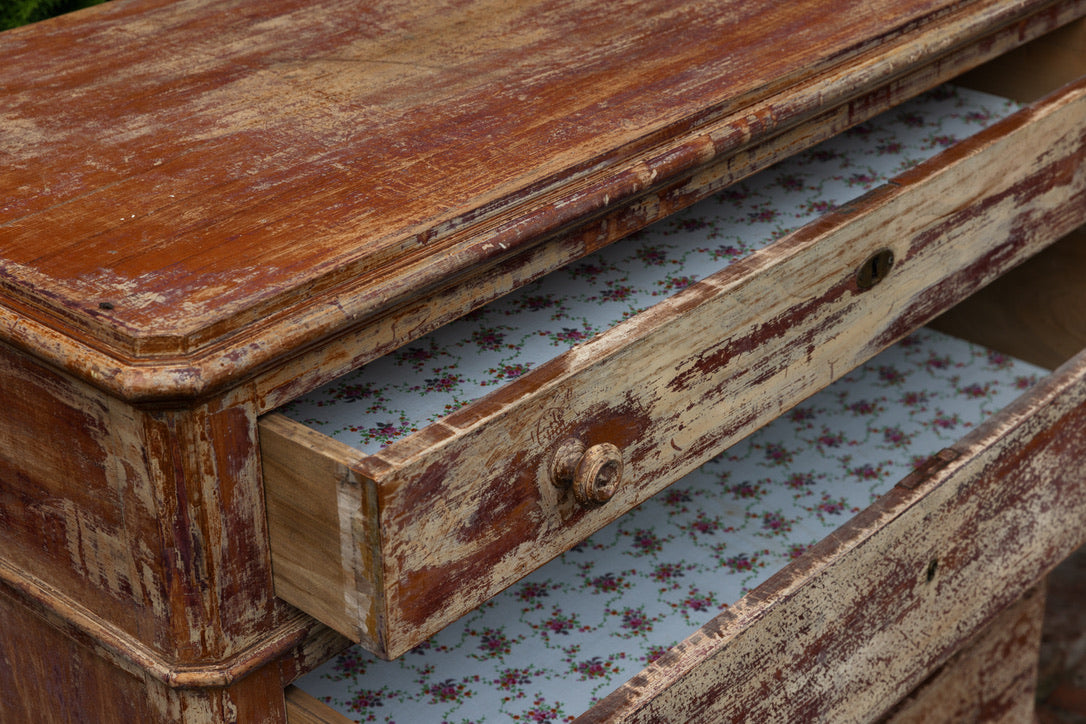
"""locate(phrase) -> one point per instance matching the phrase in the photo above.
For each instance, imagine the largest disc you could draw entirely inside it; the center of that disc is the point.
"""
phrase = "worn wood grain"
(858, 622)
(55, 674)
(1029, 72)
(685, 379)
(371, 338)
(993, 678)
(325, 513)
(304, 709)
(292, 172)
(208, 207)
(138, 536)
(1036, 312)
(47, 676)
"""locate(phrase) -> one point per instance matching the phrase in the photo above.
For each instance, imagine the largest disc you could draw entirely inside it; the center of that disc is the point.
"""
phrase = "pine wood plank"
(1036, 312)
(682, 381)
(324, 512)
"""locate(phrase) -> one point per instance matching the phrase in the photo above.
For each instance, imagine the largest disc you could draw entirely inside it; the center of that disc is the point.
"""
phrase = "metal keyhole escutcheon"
(875, 269)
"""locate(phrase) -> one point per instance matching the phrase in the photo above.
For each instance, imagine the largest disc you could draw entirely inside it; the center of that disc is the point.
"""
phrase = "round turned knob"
(594, 473)
(598, 474)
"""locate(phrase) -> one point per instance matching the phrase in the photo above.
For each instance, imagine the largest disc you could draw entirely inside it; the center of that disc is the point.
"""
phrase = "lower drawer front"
(390, 548)
(862, 617)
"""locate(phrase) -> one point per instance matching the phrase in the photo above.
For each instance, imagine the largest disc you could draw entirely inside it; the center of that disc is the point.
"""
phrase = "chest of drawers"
(213, 209)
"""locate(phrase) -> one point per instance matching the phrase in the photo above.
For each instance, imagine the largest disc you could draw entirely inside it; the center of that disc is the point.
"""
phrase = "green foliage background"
(21, 12)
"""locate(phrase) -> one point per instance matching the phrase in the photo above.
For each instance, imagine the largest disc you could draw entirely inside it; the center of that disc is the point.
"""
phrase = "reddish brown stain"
(779, 327)
(374, 170)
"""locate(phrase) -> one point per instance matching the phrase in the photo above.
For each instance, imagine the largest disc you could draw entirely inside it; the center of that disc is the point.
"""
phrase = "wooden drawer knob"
(594, 473)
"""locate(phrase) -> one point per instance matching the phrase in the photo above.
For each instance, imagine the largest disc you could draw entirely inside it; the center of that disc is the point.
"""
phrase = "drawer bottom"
(567, 635)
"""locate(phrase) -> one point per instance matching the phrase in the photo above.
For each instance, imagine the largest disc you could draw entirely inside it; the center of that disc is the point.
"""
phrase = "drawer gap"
(1035, 69)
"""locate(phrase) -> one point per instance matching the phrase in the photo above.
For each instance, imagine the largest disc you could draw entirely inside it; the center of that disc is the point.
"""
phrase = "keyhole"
(875, 269)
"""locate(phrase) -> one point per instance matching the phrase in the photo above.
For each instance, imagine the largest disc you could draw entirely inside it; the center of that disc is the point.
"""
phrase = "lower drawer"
(854, 623)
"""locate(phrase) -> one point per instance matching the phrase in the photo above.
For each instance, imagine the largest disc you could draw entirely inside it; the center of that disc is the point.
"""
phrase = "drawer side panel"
(320, 521)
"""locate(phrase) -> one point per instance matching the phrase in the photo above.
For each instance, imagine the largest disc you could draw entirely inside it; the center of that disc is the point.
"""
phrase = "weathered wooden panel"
(870, 611)
(137, 539)
(993, 679)
(225, 187)
(76, 510)
(1036, 312)
(51, 677)
(325, 513)
(248, 181)
(682, 381)
(304, 709)
(371, 338)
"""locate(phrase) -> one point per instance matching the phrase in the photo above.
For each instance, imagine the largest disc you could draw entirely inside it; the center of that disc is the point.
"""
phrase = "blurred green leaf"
(14, 13)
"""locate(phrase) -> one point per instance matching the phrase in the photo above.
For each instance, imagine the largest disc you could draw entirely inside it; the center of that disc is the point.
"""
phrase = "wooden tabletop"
(184, 178)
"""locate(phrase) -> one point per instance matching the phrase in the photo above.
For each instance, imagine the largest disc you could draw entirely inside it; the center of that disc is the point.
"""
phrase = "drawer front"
(869, 612)
(390, 548)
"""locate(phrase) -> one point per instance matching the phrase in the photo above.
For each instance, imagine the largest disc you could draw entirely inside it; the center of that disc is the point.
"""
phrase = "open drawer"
(389, 547)
(869, 612)
(850, 626)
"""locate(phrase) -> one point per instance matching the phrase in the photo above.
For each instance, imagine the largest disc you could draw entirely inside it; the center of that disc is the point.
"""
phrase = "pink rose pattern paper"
(554, 643)
(569, 633)
(424, 381)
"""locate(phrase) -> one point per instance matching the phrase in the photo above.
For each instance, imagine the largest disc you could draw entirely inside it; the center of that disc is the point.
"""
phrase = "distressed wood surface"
(678, 383)
(187, 203)
(373, 338)
(1036, 312)
(304, 709)
(54, 674)
(862, 618)
(136, 538)
(1036, 68)
(225, 184)
(993, 679)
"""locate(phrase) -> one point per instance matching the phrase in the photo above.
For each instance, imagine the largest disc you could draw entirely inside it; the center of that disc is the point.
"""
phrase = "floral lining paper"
(556, 642)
